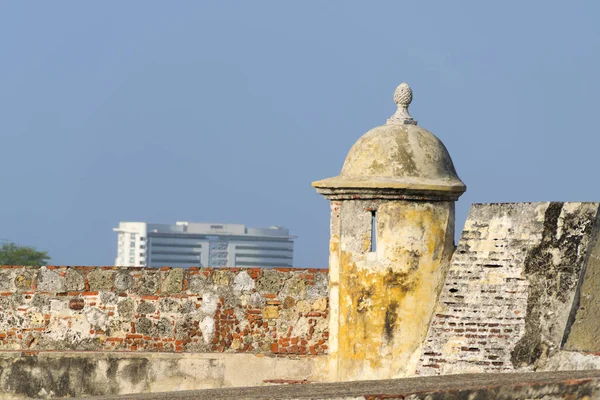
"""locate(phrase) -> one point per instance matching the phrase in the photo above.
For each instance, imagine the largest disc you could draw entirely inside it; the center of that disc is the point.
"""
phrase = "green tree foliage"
(12, 254)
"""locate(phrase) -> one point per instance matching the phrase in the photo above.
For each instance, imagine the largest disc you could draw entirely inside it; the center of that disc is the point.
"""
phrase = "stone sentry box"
(392, 236)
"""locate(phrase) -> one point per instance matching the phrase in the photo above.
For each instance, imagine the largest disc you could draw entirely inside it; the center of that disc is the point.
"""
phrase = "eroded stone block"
(100, 280)
(75, 280)
(50, 281)
(173, 283)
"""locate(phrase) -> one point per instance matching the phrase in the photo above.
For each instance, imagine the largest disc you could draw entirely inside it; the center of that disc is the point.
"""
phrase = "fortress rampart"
(520, 293)
(71, 331)
(261, 311)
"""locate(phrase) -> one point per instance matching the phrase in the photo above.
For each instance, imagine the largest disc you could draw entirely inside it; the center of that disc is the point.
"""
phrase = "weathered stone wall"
(72, 374)
(512, 288)
(264, 311)
(584, 333)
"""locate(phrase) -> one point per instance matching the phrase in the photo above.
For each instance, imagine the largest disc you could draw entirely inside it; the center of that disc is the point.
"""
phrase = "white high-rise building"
(188, 244)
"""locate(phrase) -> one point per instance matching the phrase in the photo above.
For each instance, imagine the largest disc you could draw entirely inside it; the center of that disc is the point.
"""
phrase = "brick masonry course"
(281, 312)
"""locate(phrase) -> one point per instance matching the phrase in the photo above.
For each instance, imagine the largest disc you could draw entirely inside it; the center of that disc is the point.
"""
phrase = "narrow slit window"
(373, 231)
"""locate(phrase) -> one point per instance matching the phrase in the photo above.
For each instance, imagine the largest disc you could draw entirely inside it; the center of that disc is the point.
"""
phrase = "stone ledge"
(541, 385)
(68, 374)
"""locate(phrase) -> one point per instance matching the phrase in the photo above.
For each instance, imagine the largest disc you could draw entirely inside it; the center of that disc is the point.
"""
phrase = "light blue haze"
(227, 111)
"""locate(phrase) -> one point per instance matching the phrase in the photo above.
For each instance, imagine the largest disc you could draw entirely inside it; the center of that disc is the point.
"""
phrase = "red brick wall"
(268, 311)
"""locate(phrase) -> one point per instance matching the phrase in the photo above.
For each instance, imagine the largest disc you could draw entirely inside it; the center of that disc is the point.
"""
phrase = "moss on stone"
(269, 282)
(173, 283)
(100, 280)
(149, 283)
(75, 280)
(144, 326)
(125, 308)
(146, 308)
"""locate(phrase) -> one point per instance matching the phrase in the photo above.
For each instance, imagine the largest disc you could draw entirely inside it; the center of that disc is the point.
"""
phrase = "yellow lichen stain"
(377, 168)
(388, 302)
(366, 242)
(334, 244)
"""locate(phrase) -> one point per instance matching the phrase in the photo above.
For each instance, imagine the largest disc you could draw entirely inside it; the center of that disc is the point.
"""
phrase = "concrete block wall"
(281, 312)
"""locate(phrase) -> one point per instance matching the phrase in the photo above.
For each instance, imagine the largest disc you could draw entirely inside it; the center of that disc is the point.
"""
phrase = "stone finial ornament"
(403, 98)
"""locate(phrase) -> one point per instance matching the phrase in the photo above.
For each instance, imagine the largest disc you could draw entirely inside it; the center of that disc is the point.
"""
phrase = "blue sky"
(227, 111)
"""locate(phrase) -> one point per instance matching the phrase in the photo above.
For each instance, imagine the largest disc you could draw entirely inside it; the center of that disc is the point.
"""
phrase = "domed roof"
(398, 155)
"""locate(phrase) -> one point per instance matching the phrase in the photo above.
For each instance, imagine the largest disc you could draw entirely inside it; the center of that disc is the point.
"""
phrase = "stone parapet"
(276, 312)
